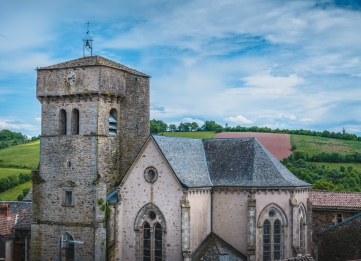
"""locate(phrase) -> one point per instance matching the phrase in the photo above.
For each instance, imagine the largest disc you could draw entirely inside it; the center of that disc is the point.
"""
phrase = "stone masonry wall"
(89, 163)
(47, 241)
(341, 243)
(134, 120)
(322, 219)
(136, 192)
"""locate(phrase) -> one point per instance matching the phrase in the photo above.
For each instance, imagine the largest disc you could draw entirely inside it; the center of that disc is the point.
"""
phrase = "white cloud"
(239, 119)
(307, 120)
(38, 119)
(199, 122)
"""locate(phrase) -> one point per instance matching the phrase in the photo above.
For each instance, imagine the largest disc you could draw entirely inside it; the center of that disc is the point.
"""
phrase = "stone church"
(107, 190)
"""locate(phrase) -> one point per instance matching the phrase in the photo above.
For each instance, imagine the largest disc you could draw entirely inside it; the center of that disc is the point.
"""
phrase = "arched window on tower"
(113, 122)
(75, 122)
(66, 247)
(62, 122)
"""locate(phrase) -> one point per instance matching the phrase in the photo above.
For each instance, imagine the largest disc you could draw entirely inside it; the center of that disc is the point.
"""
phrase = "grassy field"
(192, 134)
(356, 166)
(21, 156)
(5, 172)
(314, 145)
(12, 194)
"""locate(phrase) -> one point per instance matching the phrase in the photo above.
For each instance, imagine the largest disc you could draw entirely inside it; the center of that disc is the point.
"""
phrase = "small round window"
(272, 213)
(152, 215)
(150, 174)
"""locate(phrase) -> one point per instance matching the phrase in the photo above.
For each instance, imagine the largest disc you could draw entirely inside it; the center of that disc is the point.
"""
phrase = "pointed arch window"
(152, 242)
(113, 122)
(302, 235)
(66, 247)
(272, 224)
(62, 122)
(150, 228)
(75, 122)
(271, 240)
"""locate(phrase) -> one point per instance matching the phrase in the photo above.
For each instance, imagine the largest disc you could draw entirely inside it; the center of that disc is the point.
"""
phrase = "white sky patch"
(307, 120)
(38, 119)
(239, 119)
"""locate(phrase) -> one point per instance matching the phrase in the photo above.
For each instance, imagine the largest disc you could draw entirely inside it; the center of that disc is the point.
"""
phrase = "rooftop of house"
(11, 212)
(240, 162)
(92, 61)
(333, 199)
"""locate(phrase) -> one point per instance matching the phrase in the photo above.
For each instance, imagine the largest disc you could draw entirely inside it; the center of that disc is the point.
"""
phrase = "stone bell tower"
(95, 118)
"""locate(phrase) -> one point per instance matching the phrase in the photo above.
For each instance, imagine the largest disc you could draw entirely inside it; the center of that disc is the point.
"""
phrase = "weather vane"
(87, 43)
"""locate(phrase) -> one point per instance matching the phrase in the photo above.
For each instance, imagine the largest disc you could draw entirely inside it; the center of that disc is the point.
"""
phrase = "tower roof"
(93, 61)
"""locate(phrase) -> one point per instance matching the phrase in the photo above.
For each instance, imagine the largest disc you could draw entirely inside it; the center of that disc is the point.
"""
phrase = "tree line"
(9, 138)
(158, 126)
(13, 180)
(334, 157)
(322, 177)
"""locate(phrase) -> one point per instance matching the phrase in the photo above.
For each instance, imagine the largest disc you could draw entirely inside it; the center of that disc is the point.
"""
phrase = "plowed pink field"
(278, 144)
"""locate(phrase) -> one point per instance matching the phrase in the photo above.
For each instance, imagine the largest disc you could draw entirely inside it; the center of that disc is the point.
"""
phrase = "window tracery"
(271, 223)
(150, 227)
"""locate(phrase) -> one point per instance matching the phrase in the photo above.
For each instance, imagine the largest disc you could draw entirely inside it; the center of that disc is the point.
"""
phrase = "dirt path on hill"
(278, 144)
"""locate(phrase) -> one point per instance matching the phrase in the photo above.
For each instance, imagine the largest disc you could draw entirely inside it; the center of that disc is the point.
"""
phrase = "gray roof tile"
(225, 162)
(187, 159)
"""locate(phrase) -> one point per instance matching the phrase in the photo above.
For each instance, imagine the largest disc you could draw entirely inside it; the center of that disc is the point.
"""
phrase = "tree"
(343, 131)
(194, 126)
(154, 128)
(212, 126)
(323, 185)
(172, 127)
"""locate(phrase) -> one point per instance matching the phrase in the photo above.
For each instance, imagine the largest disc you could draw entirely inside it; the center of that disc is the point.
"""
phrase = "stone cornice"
(77, 97)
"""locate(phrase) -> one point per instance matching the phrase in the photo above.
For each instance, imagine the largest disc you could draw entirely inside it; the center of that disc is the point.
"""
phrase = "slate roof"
(225, 162)
(29, 196)
(213, 246)
(187, 159)
(93, 61)
(332, 199)
(25, 222)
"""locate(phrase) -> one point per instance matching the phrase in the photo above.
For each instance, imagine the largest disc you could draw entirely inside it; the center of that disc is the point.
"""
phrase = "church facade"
(107, 190)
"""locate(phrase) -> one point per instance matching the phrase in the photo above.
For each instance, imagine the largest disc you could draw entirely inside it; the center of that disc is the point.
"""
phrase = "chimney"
(5, 210)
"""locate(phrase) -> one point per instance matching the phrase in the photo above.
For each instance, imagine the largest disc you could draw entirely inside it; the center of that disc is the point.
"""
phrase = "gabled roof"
(92, 61)
(333, 199)
(213, 246)
(225, 162)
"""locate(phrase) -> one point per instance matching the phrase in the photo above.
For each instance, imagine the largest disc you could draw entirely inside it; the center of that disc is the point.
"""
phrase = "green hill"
(315, 145)
(15, 160)
(21, 156)
(191, 134)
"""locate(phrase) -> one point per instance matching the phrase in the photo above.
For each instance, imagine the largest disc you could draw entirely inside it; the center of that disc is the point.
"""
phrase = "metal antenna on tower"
(87, 43)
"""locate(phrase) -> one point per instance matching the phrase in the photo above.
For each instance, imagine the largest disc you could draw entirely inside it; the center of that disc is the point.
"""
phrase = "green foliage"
(212, 126)
(20, 197)
(100, 201)
(191, 134)
(157, 126)
(26, 191)
(172, 127)
(321, 176)
(12, 180)
(12, 194)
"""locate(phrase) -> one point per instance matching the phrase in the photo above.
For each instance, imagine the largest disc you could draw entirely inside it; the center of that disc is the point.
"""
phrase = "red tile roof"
(16, 208)
(332, 199)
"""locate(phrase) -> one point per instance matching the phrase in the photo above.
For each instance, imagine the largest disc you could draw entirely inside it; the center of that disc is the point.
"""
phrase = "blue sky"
(280, 64)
